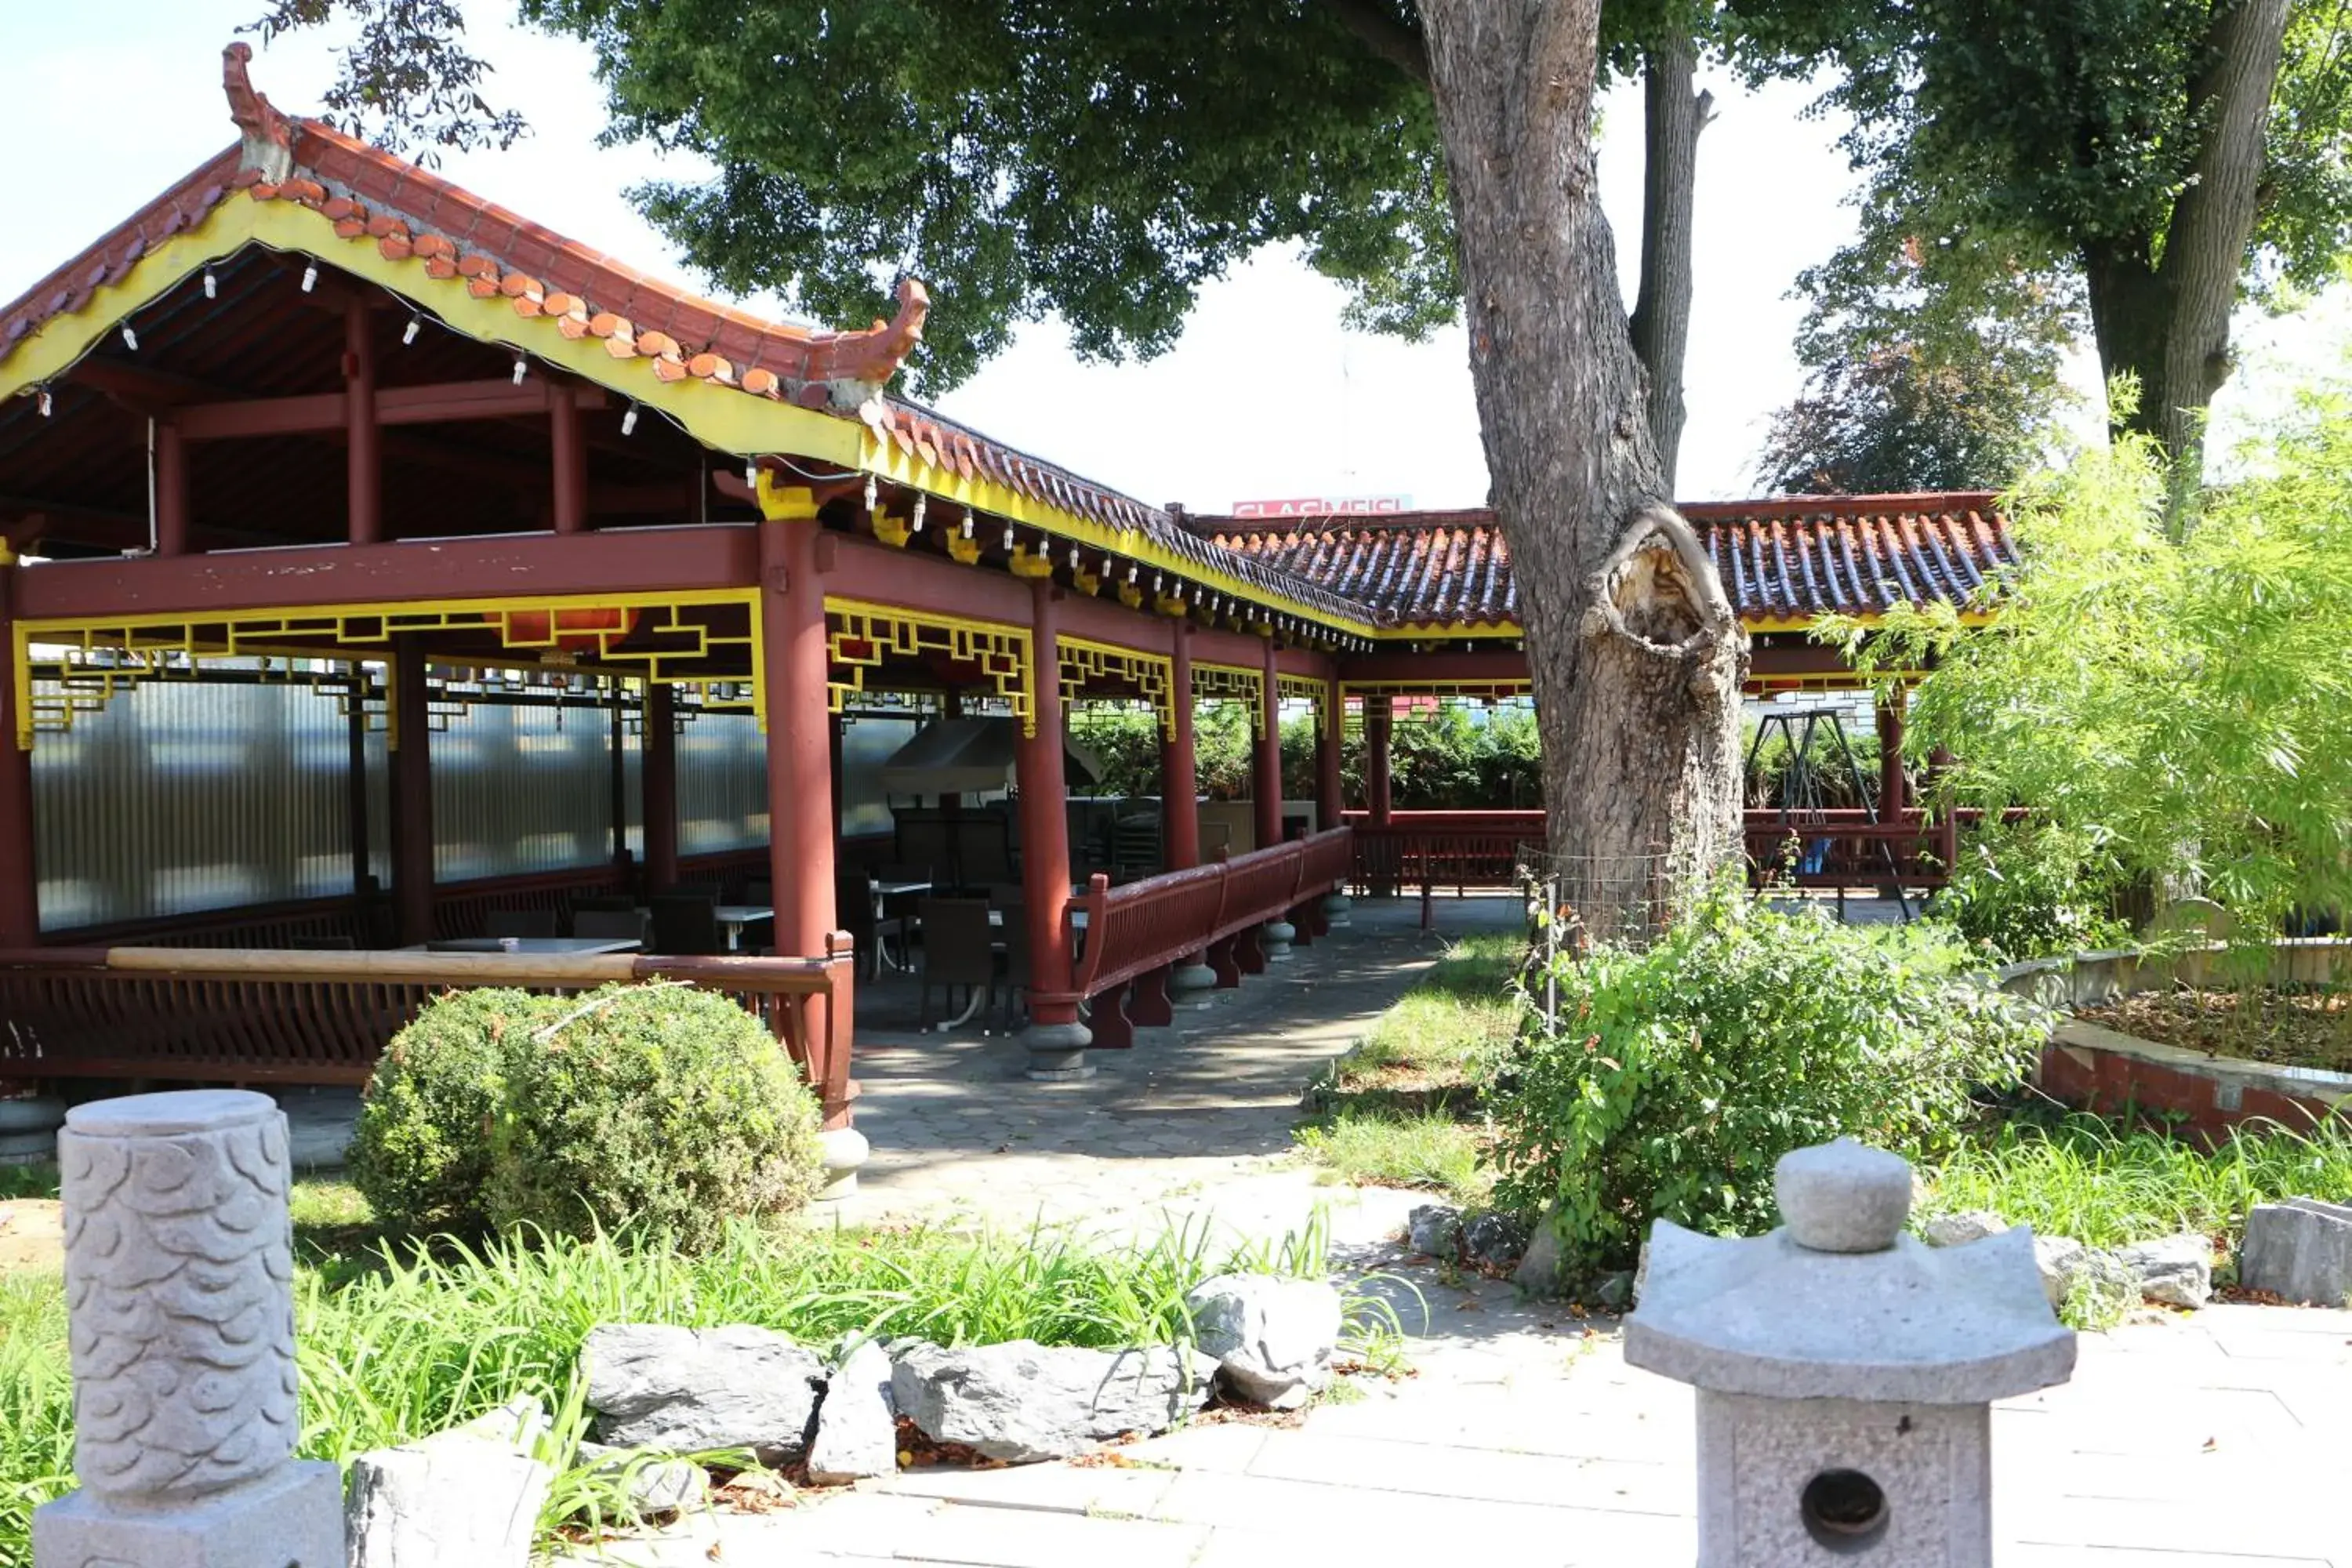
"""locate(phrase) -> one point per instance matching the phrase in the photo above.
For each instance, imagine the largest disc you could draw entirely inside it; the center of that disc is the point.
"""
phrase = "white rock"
(2062, 1261)
(658, 1483)
(2176, 1270)
(1273, 1338)
(1026, 1401)
(467, 1495)
(2301, 1250)
(856, 1425)
(1959, 1229)
(686, 1390)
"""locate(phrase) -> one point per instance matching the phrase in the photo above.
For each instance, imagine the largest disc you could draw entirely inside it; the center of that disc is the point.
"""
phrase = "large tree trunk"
(1636, 657)
(2205, 250)
(1673, 113)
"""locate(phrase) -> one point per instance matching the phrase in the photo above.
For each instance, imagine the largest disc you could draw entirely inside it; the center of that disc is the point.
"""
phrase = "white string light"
(1073, 557)
(1007, 545)
(967, 525)
(130, 338)
(751, 474)
(310, 278)
(42, 398)
(629, 420)
(212, 285)
(917, 526)
(869, 494)
(408, 333)
(523, 368)
(1134, 569)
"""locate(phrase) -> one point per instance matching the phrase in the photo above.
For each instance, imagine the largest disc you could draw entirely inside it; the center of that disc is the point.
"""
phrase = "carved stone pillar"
(180, 1303)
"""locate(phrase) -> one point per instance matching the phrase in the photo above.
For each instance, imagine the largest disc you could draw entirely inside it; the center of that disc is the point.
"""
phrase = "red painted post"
(800, 771)
(1180, 780)
(1947, 825)
(1266, 756)
(1055, 1038)
(1891, 802)
(658, 784)
(1379, 723)
(1332, 723)
(20, 889)
(412, 793)
(571, 458)
(170, 489)
(364, 436)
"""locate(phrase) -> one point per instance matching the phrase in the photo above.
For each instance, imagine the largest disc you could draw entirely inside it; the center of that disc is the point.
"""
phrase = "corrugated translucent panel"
(865, 744)
(183, 794)
(722, 783)
(519, 788)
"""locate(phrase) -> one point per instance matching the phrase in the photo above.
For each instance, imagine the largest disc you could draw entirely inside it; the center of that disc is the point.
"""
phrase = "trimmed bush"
(421, 1152)
(1676, 1077)
(661, 1108)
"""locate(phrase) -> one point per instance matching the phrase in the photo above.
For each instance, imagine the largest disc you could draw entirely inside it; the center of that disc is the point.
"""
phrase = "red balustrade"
(1136, 933)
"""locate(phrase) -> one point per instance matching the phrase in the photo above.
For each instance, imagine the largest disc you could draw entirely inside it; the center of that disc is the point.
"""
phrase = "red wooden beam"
(322, 412)
(618, 560)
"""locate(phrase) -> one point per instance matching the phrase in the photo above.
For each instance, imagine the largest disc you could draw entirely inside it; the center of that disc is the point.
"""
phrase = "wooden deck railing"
(1425, 851)
(1138, 932)
(260, 1015)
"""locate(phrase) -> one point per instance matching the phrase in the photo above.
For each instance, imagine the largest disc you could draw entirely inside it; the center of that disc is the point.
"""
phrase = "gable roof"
(1784, 562)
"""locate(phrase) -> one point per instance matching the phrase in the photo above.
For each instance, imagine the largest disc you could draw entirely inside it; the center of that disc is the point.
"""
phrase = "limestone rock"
(686, 1390)
(856, 1425)
(1273, 1338)
(1026, 1401)
(1959, 1229)
(2301, 1250)
(2064, 1262)
(2176, 1270)
(1495, 1241)
(1434, 1229)
(470, 1495)
(1538, 1270)
(658, 1483)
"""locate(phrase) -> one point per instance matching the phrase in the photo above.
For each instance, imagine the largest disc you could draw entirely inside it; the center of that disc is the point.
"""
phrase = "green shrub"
(421, 1152)
(2032, 890)
(1676, 1075)
(660, 1107)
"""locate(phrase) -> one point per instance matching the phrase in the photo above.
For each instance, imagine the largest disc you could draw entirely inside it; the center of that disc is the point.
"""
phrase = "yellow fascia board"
(719, 416)
(886, 459)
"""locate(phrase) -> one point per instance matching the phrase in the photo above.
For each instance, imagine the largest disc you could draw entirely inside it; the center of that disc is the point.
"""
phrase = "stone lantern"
(1846, 1372)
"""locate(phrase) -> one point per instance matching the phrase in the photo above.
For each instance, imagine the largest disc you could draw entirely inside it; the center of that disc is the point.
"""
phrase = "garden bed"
(2302, 1028)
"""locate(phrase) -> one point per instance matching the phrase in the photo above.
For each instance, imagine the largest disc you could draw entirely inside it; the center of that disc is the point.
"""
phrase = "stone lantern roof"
(1841, 1304)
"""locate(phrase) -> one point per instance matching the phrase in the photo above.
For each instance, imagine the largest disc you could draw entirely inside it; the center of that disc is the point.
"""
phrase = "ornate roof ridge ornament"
(268, 135)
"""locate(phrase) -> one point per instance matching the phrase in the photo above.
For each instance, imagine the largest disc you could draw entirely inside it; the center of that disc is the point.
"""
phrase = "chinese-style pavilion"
(318, 403)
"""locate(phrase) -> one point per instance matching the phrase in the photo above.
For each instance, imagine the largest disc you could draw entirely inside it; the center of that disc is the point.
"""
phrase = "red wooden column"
(1379, 723)
(800, 726)
(1179, 779)
(1947, 827)
(20, 889)
(658, 784)
(363, 437)
(571, 458)
(412, 795)
(1890, 755)
(1056, 1041)
(170, 489)
(1330, 727)
(1266, 756)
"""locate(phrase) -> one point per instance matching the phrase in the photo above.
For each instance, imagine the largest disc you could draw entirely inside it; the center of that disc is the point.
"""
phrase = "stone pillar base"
(1335, 908)
(290, 1518)
(1058, 1052)
(1191, 985)
(844, 1150)
(1277, 936)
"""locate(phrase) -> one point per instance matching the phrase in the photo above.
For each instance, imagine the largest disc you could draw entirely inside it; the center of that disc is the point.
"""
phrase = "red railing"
(1430, 849)
(260, 1015)
(1138, 932)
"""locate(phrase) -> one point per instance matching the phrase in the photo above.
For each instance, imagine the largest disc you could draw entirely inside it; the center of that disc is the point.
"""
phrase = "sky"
(125, 96)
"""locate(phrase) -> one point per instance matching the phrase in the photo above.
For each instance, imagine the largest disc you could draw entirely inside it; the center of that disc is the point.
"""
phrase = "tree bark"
(2130, 315)
(1635, 656)
(1675, 112)
(2205, 250)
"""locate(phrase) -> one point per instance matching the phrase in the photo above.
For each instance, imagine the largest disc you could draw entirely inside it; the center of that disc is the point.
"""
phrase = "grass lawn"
(1401, 1109)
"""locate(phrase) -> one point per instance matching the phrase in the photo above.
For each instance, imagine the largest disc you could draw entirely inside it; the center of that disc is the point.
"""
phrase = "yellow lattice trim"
(151, 640)
(1084, 664)
(1501, 687)
(1232, 682)
(1314, 690)
(863, 637)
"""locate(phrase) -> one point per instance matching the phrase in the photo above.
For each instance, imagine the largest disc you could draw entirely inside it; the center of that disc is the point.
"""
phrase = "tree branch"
(1377, 30)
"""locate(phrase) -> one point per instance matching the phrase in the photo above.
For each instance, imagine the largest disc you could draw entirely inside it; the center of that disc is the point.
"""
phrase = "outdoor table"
(531, 946)
(733, 918)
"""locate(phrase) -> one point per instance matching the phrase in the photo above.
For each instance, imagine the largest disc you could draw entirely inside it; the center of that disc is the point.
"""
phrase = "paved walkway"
(1204, 1107)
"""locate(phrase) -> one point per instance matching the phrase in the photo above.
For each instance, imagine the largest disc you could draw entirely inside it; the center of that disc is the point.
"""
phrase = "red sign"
(1322, 506)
